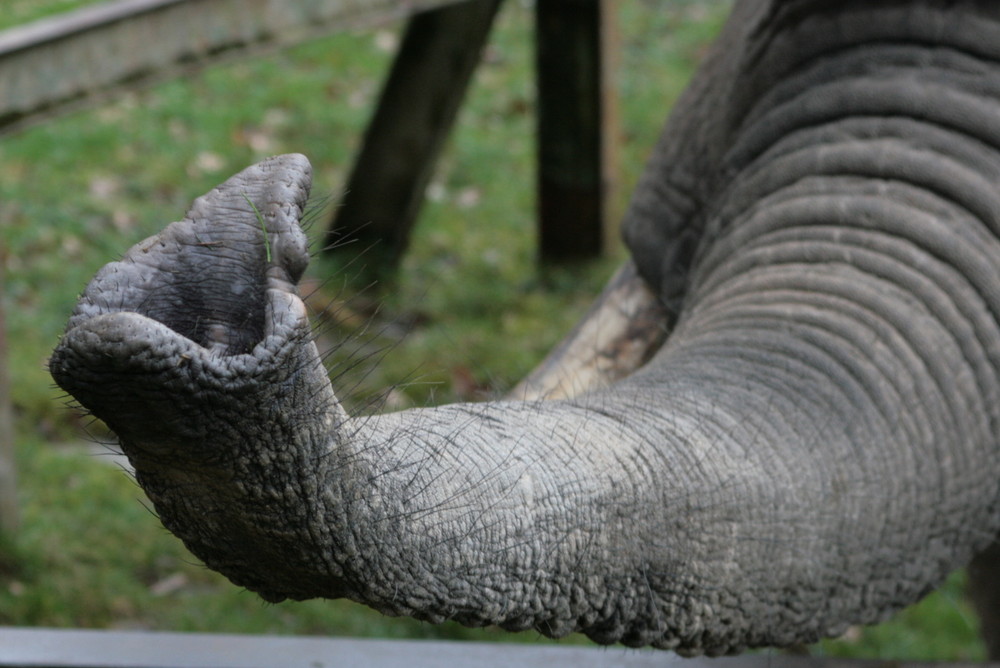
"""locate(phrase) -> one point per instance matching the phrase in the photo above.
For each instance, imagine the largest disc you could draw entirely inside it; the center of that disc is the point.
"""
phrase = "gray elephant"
(814, 444)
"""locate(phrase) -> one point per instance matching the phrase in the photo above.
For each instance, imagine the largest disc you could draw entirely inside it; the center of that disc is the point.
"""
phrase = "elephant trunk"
(814, 445)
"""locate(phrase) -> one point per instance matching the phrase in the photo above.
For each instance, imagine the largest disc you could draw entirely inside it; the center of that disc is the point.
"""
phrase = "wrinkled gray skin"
(814, 446)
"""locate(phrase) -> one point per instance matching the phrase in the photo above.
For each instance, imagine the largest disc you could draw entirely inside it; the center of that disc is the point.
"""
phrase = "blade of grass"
(260, 219)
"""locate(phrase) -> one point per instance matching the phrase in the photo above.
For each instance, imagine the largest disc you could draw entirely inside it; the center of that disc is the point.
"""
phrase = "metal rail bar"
(63, 648)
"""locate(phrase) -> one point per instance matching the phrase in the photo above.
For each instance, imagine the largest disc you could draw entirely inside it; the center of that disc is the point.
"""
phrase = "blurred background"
(468, 313)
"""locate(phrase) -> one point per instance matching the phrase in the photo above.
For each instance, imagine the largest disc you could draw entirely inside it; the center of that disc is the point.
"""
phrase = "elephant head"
(814, 445)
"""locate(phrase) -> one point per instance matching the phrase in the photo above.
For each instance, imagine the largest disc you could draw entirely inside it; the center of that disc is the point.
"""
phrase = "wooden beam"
(67, 61)
(577, 128)
(623, 329)
(418, 105)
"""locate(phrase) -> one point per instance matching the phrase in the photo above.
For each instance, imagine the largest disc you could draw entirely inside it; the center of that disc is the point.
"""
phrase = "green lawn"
(471, 312)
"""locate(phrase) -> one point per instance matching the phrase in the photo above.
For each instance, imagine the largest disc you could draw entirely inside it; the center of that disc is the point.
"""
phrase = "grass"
(263, 227)
(469, 315)
(18, 12)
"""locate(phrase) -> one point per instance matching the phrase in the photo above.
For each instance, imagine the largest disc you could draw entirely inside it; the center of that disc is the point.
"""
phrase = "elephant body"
(813, 446)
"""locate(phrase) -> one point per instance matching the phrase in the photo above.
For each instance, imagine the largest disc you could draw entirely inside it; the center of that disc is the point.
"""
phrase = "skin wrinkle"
(882, 62)
(851, 189)
(934, 295)
(791, 162)
(930, 404)
(970, 310)
(456, 499)
(904, 320)
(915, 172)
(844, 366)
(933, 103)
(900, 275)
(966, 38)
(881, 330)
(725, 350)
(799, 402)
(934, 238)
(811, 363)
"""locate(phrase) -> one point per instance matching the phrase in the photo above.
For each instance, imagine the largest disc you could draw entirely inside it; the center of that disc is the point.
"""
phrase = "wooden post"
(428, 79)
(8, 469)
(577, 127)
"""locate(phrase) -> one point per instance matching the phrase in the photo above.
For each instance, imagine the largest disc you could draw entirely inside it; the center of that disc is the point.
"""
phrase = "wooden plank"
(60, 63)
(577, 127)
(8, 468)
(418, 105)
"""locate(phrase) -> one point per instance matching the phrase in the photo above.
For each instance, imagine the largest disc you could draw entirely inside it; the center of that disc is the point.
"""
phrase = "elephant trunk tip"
(205, 277)
(212, 296)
